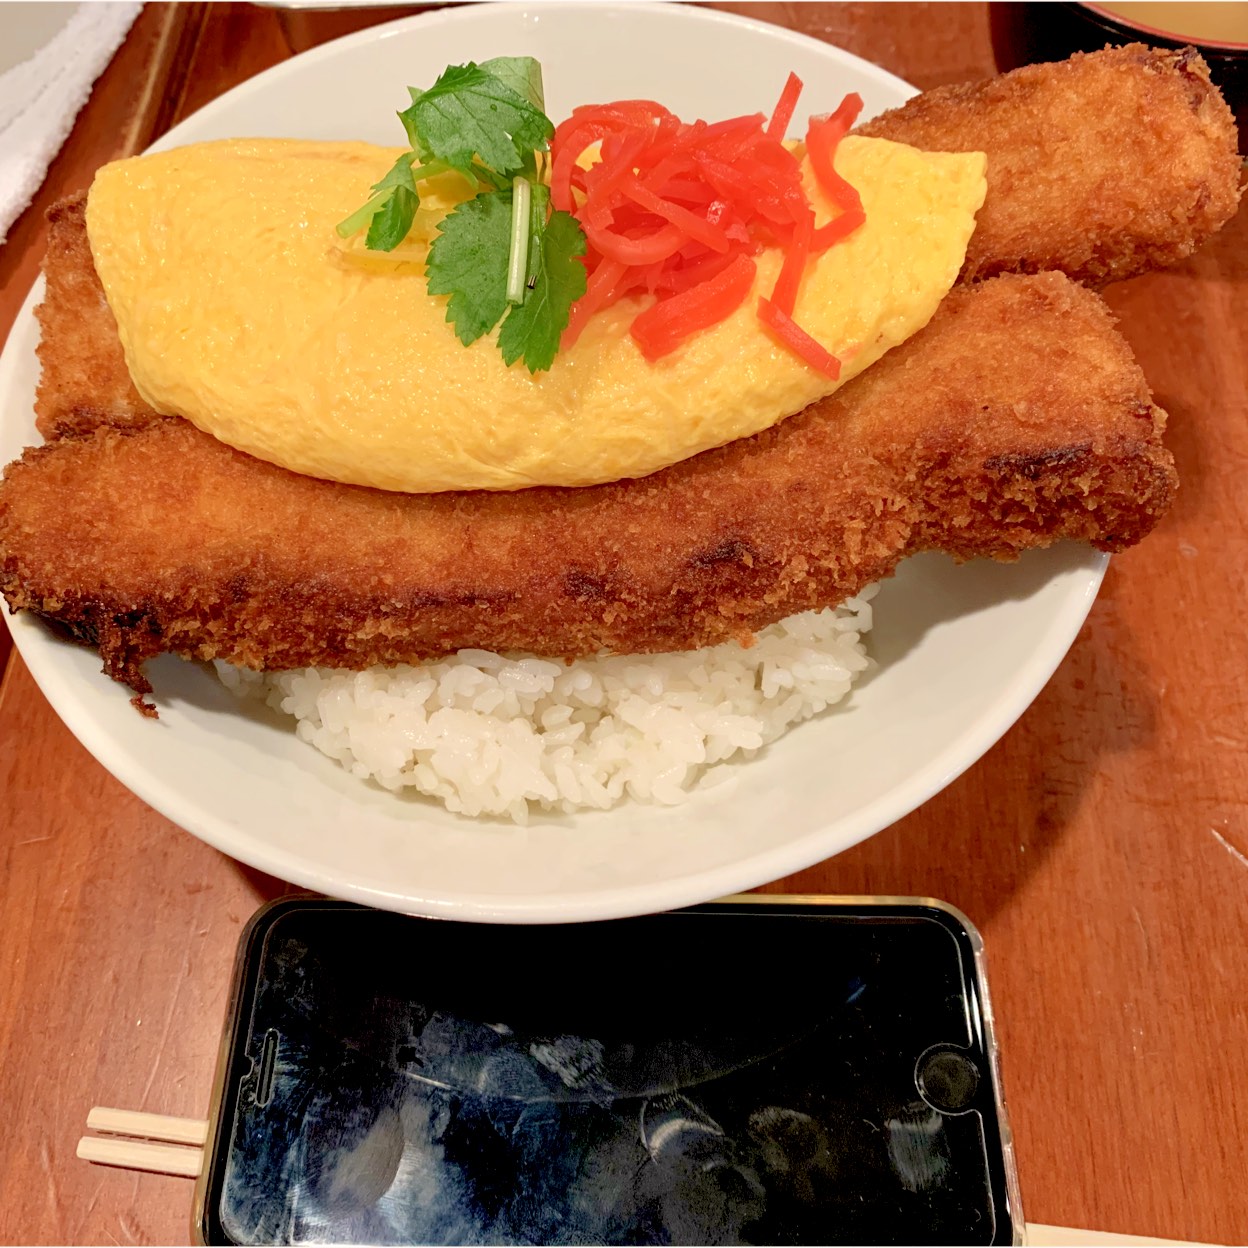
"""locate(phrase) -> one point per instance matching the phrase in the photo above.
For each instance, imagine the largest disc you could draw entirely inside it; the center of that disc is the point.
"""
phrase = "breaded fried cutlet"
(83, 379)
(1136, 166)
(1102, 166)
(159, 538)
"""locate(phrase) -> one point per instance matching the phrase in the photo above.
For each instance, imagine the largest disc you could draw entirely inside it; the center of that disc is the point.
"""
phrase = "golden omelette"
(240, 309)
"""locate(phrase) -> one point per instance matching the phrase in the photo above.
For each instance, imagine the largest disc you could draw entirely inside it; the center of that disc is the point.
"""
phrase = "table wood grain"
(1101, 846)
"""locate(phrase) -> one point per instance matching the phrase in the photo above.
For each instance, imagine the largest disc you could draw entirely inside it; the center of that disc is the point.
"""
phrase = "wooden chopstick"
(157, 1143)
(148, 1126)
(1061, 1236)
(130, 1142)
(142, 1155)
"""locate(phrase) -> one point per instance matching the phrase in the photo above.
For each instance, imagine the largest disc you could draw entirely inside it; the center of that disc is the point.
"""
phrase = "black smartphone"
(754, 1071)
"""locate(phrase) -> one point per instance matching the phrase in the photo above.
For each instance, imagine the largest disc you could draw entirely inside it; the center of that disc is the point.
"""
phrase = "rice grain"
(491, 734)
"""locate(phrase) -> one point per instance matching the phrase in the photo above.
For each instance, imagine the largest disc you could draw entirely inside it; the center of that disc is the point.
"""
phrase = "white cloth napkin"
(40, 98)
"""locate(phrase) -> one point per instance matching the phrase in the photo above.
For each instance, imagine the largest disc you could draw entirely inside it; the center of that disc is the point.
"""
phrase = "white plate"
(962, 651)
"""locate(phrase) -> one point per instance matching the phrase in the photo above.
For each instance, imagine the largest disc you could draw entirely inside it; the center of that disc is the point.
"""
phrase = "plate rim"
(468, 11)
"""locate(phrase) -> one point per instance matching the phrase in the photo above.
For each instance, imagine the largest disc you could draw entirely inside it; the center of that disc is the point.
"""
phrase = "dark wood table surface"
(1101, 846)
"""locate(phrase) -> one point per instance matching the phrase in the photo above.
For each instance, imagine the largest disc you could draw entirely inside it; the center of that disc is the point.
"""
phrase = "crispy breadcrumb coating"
(1102, 166)
(1017, 417)
(84, 380)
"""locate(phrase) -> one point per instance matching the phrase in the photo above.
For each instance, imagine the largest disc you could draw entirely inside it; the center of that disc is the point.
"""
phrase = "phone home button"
(947, 1079)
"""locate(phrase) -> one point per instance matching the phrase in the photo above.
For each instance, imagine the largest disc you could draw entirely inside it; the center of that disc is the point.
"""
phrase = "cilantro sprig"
(500, 255)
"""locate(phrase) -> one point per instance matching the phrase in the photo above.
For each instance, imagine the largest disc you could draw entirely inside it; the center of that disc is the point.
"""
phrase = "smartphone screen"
(734, 1073)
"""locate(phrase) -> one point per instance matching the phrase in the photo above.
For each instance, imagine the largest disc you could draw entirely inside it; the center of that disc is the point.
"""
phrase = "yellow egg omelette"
(240, 309)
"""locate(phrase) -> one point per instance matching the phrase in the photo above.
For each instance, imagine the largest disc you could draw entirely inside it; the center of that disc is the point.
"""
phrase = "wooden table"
(1102, 846)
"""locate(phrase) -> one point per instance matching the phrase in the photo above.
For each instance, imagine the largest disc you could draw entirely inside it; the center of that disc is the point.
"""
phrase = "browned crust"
(84, 379)
(1102, 166)
(1017, 417)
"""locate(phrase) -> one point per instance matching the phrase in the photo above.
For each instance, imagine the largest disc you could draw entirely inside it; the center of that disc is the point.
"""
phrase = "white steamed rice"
(488, 734)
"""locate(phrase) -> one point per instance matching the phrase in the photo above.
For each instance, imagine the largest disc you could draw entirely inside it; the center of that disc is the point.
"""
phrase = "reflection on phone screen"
(701, 1077)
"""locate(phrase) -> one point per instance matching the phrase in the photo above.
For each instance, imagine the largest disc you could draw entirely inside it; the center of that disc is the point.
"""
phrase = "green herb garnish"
(501, 253)
(468, 261)
(556, 281)
(475, 114)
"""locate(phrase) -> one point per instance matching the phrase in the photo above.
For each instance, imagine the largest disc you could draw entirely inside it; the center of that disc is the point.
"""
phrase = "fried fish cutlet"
(83, 379)
(1101, 166)
(1071, 195)
(160, 538)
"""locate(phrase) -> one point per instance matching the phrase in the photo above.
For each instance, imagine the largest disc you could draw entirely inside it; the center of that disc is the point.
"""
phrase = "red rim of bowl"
(1131, 24)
